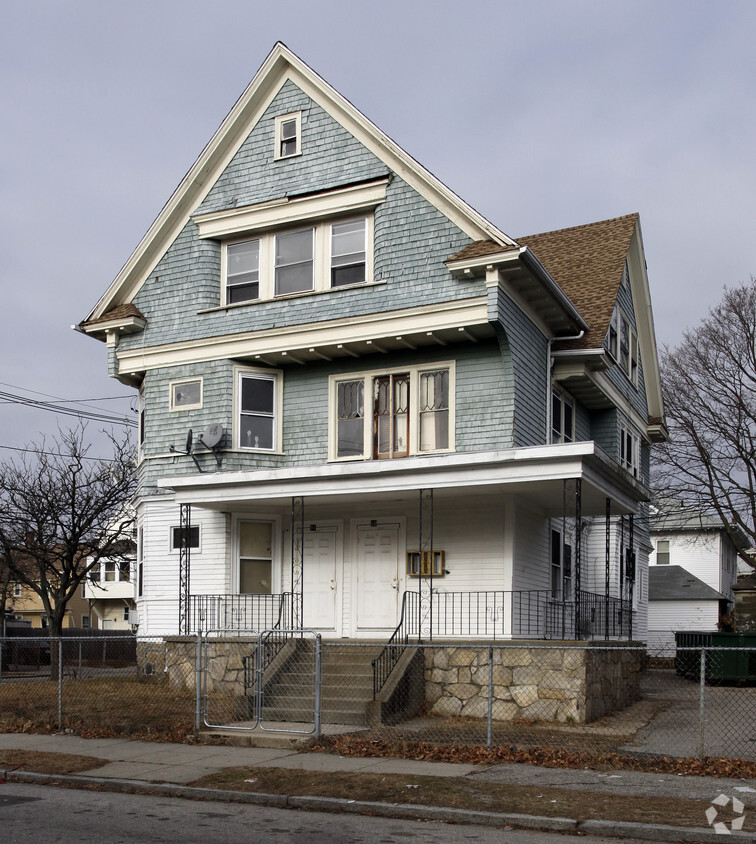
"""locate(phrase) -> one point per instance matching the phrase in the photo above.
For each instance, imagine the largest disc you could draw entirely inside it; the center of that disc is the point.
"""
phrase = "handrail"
(387, 659)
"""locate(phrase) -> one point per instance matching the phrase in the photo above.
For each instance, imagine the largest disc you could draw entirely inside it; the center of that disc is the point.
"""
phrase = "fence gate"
(268, 680)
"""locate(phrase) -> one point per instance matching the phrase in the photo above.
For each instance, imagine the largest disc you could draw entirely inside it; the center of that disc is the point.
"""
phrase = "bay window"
(409, 412)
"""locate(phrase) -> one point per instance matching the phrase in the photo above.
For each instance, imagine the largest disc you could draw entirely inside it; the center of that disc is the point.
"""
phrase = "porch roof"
(535, 474)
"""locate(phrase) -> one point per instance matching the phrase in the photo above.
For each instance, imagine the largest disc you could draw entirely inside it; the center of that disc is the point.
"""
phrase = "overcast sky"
(540, 114)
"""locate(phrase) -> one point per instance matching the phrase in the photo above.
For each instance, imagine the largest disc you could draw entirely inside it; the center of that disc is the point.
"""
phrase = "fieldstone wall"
(176, 660)
(555, 683)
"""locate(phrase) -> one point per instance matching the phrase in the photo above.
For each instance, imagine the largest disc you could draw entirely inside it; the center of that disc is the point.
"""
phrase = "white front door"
(377, 577)
(319, 578)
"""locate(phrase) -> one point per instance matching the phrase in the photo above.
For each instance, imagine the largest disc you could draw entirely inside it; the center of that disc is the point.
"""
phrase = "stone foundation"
(176, 660)
(563, 682)
(555, 683)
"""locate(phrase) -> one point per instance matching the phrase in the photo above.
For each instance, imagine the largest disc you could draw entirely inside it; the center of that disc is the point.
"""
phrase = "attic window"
(288, 135)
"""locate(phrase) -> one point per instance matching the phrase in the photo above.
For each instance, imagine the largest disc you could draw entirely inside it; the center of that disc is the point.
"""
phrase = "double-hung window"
(258, 401)
(294, 253)
(387, 415)
(662, 552)
(243, 271)
(348, 252)
(324, 256)
(622, 341)
(629, 451)
(562, 417)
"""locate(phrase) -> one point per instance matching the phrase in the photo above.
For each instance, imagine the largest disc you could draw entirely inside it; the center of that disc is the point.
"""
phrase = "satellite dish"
(189, 442)
(212, 435)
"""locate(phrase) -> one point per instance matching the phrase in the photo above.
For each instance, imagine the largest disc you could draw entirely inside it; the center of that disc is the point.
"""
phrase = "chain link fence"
(93, 685)
(565, 697)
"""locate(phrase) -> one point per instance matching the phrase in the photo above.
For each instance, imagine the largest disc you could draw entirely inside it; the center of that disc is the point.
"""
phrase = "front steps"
(346, 686)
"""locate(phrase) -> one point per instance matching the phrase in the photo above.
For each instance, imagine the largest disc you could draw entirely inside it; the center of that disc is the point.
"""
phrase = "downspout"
(550, 377)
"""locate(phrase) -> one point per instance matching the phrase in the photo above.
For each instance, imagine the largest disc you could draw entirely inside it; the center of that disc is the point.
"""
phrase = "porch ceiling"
(535, 475)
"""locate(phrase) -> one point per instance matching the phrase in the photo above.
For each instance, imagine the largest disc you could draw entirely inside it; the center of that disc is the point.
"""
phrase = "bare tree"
(709, 386)
(61, 513)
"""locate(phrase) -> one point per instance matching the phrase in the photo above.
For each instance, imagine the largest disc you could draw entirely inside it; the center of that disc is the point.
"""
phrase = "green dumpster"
(735, 663)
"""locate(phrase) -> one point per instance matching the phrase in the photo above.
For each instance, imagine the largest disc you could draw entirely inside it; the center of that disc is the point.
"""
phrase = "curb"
(401, 811)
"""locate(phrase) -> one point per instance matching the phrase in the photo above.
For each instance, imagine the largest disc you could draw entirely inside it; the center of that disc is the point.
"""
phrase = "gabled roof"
(587, 262)
(674, 583)
(279, 67)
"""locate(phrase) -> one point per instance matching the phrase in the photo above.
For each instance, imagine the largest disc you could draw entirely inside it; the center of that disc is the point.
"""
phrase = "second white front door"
(378, 584)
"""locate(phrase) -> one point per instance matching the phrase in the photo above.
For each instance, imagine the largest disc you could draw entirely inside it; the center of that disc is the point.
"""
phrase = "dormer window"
(288, 135)
(322, 256)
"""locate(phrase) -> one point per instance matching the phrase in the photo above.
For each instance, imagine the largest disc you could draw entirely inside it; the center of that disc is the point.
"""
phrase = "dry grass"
(42, 762)
(102, 706)
(463, 793)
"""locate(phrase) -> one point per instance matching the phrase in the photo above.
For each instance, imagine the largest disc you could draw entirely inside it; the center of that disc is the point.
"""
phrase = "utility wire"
(52, 407)
(57, 454)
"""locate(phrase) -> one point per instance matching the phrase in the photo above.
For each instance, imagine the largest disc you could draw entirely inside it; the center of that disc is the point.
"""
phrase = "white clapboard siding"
(665, 618)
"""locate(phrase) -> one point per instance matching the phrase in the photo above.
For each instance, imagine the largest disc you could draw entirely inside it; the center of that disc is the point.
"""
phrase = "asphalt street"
(33, 813)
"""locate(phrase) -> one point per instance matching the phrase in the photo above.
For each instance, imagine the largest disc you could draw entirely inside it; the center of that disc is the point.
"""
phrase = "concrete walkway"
(170, 766)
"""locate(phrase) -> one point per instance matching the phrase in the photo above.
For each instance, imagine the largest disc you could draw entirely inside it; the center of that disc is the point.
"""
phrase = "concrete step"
(277, 714)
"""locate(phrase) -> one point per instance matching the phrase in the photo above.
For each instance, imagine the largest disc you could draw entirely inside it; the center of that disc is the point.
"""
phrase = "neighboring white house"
(679, 601)
(406, 415)
(688, 541)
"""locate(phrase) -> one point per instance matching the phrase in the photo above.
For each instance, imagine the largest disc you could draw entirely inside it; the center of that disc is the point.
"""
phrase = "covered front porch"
(423, 549)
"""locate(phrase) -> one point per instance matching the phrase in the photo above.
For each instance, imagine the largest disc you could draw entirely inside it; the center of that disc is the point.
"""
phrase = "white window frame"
(276, 585)
(614, 343)
(141, 424)
(321, 262)
(660, 552)
(414, 373)
(281, 119)
(276, 376)
(564, 399)
(172, 406)
(630, 462)
(194, 548)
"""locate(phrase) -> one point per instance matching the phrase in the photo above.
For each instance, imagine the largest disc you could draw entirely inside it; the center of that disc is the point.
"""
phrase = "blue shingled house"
(363, 406)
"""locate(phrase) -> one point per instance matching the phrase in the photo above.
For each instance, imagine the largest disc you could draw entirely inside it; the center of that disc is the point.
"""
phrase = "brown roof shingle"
(477, 249)
(587, 263)
(118, 312)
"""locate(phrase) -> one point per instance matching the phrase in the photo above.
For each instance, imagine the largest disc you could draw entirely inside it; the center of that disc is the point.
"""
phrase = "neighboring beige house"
(111, 595)
(26, 604)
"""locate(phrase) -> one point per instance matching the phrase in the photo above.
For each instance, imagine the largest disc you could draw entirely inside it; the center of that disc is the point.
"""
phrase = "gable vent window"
(288, 135)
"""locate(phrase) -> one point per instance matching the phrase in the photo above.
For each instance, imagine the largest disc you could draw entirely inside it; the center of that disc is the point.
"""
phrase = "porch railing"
(237, 611)
(529, 613)
(386, 661)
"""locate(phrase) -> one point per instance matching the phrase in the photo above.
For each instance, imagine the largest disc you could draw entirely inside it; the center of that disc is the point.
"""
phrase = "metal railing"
(236, 611)
(409, 622)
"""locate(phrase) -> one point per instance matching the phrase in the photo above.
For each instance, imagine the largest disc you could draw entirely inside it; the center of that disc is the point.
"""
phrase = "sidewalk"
(168, 767)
